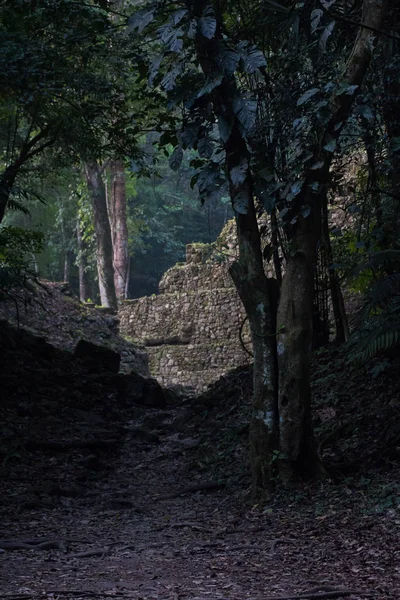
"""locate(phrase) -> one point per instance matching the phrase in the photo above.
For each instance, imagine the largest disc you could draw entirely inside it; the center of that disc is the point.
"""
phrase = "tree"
(59, 60)
(119, 228)
(208, 35)
(105, 269)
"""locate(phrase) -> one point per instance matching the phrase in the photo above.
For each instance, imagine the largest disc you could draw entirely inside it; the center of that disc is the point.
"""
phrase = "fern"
(377, 322)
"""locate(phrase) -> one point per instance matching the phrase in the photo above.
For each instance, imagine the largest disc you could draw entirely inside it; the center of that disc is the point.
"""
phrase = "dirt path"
(200, 545)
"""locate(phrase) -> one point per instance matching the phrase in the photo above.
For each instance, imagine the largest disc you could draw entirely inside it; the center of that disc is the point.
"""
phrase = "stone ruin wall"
(191, 328)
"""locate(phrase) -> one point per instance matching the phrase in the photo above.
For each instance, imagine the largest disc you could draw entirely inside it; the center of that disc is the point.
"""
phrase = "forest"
(132, 133)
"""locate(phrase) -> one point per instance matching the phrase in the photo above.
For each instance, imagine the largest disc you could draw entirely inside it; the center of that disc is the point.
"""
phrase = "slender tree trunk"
(119, 229)
(275, 244)
(103, 235)
(250, 280)
(84, 284)
(65, 243)
(339, 310)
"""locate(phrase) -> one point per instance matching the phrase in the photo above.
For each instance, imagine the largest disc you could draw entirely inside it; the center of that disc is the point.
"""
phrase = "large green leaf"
(205, 147)
(307, 95)
(251, 57)
(207, 24)
(226, 59)
(238, 174)
(245, 111)
(139, 21)
(175, 160)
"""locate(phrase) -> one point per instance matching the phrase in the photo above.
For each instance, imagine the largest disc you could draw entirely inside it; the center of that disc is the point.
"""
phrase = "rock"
(99, 356)
(136, 389)
(91, 462)
(142, 435)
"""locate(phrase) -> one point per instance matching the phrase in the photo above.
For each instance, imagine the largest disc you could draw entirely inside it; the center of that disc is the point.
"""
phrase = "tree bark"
(295, 307)
(294, 325)
(119, 229)
(104, 257)
(6, 183)
(339, 310)
(84, 284)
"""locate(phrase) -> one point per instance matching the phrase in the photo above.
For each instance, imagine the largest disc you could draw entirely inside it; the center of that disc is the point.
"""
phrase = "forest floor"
(136, 503)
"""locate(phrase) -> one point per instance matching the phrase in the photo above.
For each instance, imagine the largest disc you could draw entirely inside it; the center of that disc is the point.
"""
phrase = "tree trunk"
(294, 325)
(252, 284)
(295, 306)
(339, 310)
(84, 284)
(103, 235)
(6, 183)
(119, 229)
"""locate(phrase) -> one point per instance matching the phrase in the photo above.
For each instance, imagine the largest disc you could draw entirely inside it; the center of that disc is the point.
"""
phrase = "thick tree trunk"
(294, 325)
(105, 268)
(119, 229)
(84, 284)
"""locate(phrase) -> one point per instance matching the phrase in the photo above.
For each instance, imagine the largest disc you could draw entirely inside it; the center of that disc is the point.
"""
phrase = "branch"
(393, 36)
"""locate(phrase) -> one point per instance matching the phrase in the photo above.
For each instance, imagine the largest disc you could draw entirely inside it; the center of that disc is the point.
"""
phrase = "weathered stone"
(191, 329)
(99, 356)
(135, 389)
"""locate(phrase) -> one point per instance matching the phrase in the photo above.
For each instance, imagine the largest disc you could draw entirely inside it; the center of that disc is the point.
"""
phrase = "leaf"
(325, 36)
(207, 24)
(316, 17)
(238, 174)
(205, 147)
(296, 188)
(226, 59)
(265, 194)
(171, 37)
(193, 180)
(169, 79)
(154, 69)
(188, 136)
(366, 111)
(345, 88)
(141, 19)
(209, 86)
(167, 138)
(175, 160)
(305, 210)
(327, 3)
(330, 146)
(245, 111)
(318, 165)
(225, 128)
(251, 57)
(209, 178)
(192, 29)
(240, 203)
(178, 15)
(307, 95)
